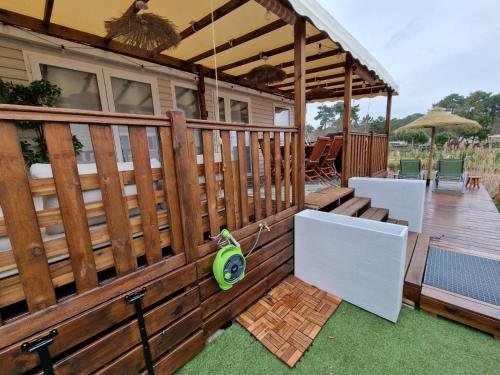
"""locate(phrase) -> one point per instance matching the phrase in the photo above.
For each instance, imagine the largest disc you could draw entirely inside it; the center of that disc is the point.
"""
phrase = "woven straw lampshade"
(146, 31)
(438, 118)
(266, 74)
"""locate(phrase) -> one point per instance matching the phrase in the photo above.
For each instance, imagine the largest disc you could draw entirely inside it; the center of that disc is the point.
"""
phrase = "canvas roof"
(235, 22)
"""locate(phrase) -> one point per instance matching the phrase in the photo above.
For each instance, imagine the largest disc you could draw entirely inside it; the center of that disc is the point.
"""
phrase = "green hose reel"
(229, 264)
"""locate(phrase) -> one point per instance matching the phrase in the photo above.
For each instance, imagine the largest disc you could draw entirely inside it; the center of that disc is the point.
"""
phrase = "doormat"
(468, 275)
(289, 317)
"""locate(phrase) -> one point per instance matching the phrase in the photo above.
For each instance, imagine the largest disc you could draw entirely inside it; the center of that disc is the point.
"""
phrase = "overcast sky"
(431, 47)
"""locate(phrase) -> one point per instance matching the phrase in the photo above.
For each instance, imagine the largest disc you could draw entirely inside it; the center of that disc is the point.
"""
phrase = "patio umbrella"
(438, 118)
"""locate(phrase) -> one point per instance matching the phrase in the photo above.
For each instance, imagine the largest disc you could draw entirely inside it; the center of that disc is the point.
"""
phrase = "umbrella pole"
(429, 166)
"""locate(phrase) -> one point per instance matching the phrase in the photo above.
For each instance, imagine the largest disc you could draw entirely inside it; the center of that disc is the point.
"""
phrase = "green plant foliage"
(417, 137)
(38, 93)
(330, 115)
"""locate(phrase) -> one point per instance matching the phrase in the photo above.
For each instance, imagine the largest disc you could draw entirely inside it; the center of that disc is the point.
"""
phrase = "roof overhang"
(242, 32)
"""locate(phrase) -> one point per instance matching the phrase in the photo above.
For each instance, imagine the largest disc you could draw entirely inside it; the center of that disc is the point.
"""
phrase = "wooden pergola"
(226, 42)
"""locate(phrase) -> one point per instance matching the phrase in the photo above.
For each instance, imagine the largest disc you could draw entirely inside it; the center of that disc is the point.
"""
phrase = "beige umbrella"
(439, 118)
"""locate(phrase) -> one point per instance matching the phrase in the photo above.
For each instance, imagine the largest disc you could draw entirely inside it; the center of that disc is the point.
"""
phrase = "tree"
(330, 115)
(415, 136)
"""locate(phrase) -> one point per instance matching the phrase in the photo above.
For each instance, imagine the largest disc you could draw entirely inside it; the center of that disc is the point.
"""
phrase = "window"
(281, 116)
(239, 111)
(187, 100)
(92, 87)
(134, 97)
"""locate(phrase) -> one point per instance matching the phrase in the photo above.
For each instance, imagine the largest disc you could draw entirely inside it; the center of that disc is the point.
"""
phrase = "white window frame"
(103, 75)
(227, 106)
(285, 107)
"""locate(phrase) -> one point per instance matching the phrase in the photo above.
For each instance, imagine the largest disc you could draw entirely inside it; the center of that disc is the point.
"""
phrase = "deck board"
(324, 198)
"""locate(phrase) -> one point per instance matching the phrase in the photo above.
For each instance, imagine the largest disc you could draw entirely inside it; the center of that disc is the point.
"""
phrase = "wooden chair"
(327, 164)
(312, 162)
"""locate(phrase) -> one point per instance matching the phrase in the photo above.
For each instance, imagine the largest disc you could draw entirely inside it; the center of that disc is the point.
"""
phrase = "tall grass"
(479, 160)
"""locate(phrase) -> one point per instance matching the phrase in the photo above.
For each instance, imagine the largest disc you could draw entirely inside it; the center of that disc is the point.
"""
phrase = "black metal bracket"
(135, 298)
(41, 346)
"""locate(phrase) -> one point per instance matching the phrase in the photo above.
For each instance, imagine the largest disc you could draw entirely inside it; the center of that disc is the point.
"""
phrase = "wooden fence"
(75, 244)
(368, 156)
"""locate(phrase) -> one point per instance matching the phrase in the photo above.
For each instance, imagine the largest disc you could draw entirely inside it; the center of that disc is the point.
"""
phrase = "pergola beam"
(335, 95)
(355, 81)
(364, 73)
(77, 36)
(323, 68)
(280, 10)
(240, 40)
(47, 13)
(309, 80)
(205, 21)
(272, 52)
(311, 58)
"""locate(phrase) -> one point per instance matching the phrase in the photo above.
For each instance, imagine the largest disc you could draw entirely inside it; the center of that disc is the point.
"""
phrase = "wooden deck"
(467, 223)
(469, 220)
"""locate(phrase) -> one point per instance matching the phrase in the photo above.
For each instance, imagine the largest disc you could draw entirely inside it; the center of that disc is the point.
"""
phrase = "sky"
(431, 48)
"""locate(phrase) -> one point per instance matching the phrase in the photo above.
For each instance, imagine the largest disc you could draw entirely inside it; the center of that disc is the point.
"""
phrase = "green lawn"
(356, 342)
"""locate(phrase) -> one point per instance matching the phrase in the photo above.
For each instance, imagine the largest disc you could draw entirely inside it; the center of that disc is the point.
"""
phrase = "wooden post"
(370, 155)
(346, 122)
(429, 167)
(300, 104)
(388, 124)
(189, 193)
(201, 93)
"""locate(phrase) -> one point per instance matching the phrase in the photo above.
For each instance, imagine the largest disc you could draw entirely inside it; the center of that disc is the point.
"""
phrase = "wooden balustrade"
(172, 211)
(368, 154)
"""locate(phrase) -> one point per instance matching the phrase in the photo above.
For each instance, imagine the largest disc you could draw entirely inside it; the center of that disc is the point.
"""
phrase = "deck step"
(416, 259)
(328, 198)
(397, 221)
(377, 214)
(353, 207)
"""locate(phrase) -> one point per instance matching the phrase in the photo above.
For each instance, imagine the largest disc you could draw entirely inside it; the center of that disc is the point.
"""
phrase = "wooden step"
(328, 198)
(416, 259)
(353, 207)
(397, 221)
(377, 214)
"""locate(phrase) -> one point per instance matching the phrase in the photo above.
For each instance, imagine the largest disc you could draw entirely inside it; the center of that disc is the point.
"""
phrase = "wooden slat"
(346, 123)
(145, 192)
(242, 161)
(189, 193)
(277, 171)
(295, 175)
(228, 180)
(170, 187)
(256, 175)
(21, 222)
(82, 323)
(287, 176)
(69, 193)
(211, 191)
(416, 269)
(267, 175)
(114, 202)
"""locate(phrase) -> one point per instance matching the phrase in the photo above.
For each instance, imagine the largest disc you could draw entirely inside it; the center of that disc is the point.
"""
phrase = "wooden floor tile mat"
(289, 317)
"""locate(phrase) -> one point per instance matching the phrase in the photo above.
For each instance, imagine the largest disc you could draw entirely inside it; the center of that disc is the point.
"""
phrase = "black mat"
(467, 275)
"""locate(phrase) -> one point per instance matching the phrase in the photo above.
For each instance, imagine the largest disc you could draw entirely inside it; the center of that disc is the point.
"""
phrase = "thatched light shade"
(266, 74)
(319, 91)
(142, 30)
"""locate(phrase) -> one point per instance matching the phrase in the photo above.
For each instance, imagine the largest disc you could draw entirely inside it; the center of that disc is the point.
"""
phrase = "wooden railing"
(368, 154)
(134, 230)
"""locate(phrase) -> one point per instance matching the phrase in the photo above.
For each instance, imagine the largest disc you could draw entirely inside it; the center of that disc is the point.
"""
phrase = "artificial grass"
(354, 341)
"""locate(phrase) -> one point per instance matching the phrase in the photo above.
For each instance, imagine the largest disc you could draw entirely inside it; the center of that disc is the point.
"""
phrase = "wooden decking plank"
(416, 268)
(410, 247)
(477, 314)
(325, 197)
(377, 214)
(352, 206)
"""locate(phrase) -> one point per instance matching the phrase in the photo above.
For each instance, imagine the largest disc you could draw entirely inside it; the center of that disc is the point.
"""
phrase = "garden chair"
(451, 170)
(410, 168)
(327, 167)
(312, 162)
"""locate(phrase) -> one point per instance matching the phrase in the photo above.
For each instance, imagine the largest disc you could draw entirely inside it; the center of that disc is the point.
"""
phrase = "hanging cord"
(215, 61)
